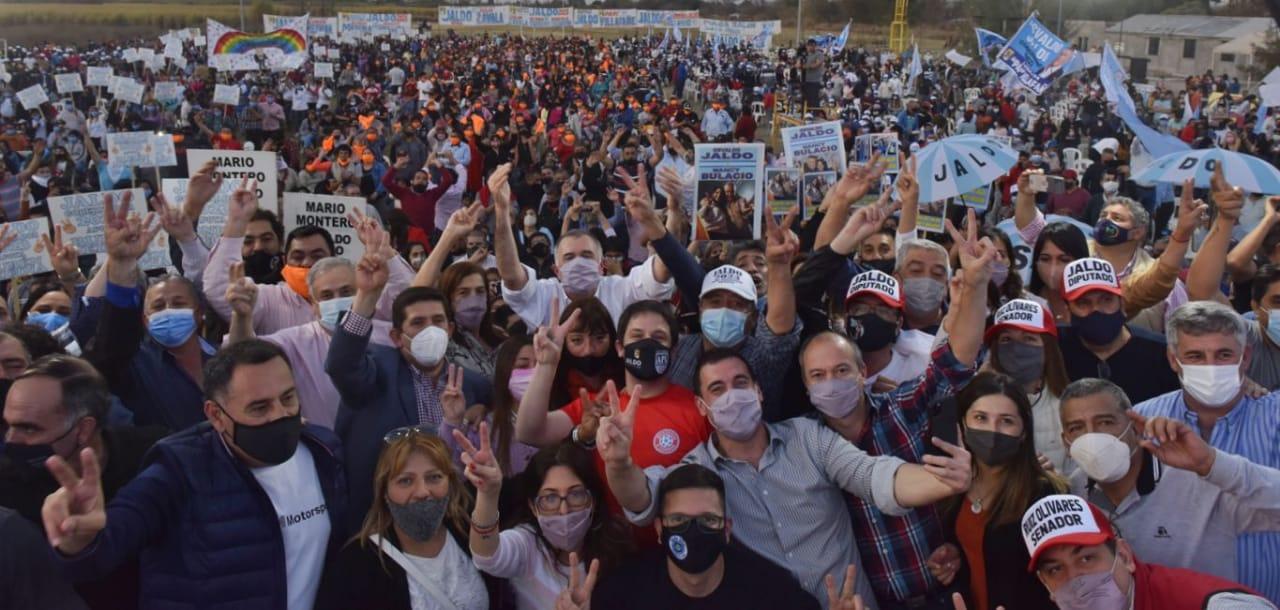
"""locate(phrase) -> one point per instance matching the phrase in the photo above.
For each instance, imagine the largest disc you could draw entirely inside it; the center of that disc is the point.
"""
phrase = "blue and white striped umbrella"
(957, 165)
(1251, 174)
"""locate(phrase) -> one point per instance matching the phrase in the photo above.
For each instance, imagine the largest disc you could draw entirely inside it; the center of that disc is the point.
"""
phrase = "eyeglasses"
(578, 498)
(707, 522)
(406, 431)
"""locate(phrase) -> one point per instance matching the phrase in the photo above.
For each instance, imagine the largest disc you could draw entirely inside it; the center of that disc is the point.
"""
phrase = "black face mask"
(991, 448)
(692, 548)
(419, 188)
(1099, 328)
(587, 365)
(884, 265)
(35, 455)
(646, 359)
(871, 332)
(539, 249)
(272, 443)
(263, 267)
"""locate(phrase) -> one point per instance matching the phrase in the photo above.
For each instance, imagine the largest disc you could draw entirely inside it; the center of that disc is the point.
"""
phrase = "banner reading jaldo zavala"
(236, 165)
(815, 148)
(1034, 55)
(730, 191)
(328, 213)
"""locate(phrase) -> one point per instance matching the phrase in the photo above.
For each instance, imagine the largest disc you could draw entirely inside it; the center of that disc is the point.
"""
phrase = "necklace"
(975, 505)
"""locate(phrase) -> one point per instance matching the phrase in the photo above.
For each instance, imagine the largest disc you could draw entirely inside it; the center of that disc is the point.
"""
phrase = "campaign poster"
(214, 216)
(978, 199)
(323, 69)
(329, 213)
(129, 90)
(236, 165)
(813, 189)
(26, 255)
(818, 147)
(226, 94)
(80, 217)
(1034, 56)
(32, 97)
(68, 83)
(783, 187)
(140, 149)
(932, 215)
(730, 179)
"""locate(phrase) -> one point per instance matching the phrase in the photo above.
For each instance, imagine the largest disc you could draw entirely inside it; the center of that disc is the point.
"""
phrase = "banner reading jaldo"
(373, 25)
(539, 17)
(329, 213)
(815, 148)
(1034, 55)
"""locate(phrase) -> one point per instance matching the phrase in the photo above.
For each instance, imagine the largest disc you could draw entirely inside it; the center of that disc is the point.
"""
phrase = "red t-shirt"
(668, 426)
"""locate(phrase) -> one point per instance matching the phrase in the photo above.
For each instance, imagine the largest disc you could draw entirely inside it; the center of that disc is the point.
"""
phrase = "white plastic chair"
(757, 110)
(1070, 156)
(1082, 165)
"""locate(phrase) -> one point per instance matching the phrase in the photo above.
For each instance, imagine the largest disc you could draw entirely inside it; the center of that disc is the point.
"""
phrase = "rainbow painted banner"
(277, 45)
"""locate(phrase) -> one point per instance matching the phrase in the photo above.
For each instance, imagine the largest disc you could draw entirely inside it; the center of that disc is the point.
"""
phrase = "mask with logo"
(518, 383)
(272, 443)
(836, 397)
(331, 311)
(1103, 457)
(264, 267)
(429, 345)
(580, 276)
(49, 320)
(1099, 328)
(693, 549)
(923, 294)
(419, 520)
(1098, 591)
(1108, 233)
(172, 327)
(646, 359)
(736, 413)
(469, 311)
(724, 327)
(990, 447)
(871, 332)
(296, 277)
(566, 532)
(1213, 385)
(1021, 361)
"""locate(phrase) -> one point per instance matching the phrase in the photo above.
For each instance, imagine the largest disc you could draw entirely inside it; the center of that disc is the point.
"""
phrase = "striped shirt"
(1251, 430)
(791, 509)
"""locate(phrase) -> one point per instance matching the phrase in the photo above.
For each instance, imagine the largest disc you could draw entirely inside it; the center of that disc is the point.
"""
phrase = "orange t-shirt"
(668, 426)
(971, 528)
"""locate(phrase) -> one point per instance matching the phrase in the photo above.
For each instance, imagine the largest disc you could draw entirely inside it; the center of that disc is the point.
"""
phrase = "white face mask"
(41, 180)
(1214, 385)
(1110, 187)
(429, 345)
(1103, 457)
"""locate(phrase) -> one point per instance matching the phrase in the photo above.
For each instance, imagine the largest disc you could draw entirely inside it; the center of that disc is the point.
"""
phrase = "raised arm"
(1240, 260)
(780, 248)
(534, 425)
(242, 294)
(482, 470)
(909, 196)
(1204, 278)
(976, 257)
(628, 483)
(460, 223)
(504, 240)
(1025, 211)
(854, 185)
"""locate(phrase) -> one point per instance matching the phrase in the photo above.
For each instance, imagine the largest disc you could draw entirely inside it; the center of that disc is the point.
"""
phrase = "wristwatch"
(574, 436)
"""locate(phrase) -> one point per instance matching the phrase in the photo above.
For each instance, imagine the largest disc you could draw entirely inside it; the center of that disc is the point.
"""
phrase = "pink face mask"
(566, 532)
(519, 382)
(580, 277)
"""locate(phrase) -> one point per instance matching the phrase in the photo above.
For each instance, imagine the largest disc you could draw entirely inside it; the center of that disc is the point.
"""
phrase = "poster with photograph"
(730, 180)
(978, 199)
(783, 187)
(813, 189)
(931, 216)
(815, 148)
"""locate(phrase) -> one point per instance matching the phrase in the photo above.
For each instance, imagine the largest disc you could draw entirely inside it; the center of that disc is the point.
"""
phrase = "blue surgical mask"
(172, 327)
(49, 320)
(724, 327)
(1273, 325)
(332, 310)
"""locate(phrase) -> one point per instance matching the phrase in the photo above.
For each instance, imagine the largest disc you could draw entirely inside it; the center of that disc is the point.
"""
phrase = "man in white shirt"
(579, 268)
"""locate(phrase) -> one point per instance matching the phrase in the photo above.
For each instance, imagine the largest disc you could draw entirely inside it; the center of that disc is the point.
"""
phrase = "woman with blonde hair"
(412, 551)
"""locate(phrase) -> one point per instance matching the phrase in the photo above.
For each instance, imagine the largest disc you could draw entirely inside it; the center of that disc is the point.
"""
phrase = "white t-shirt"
(294, 489)
(452, 573)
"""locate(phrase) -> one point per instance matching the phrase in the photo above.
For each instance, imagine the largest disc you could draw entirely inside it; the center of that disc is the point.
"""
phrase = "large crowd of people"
(533, 390)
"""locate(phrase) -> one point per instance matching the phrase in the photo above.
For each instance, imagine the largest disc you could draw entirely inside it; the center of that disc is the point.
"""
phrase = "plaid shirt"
(425, 389)
(895, 549)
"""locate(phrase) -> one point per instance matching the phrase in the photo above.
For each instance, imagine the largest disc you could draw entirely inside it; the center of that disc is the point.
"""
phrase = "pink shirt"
(306, 346)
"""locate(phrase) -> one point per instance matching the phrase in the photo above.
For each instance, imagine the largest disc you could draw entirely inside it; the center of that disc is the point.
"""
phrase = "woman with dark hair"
(560, 510)
(588, 358)
(512, 370)
(984, 523)
(48, 305)
(1058, 244)
(1028, 352)
(411, 551)
(1006, 283)
(474, 336)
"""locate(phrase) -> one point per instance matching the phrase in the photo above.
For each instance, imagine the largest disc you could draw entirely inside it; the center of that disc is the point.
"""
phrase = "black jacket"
(1009, 584)
(358, 579)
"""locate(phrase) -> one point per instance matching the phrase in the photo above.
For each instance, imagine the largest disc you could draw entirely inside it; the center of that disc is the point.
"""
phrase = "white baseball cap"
(1085, 274)
(878, 283)
(1063, 519)
(733, 279)
(1023, 314)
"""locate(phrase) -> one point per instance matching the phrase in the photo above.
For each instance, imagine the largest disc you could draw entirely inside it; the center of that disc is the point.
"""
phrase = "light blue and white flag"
(666, 38)
(838, 46)
(959, 164)
(1113, 77)
(675, 32)
(989, 42)
(1035, 55)
(915, 69)
(1075, 64)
